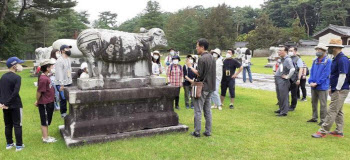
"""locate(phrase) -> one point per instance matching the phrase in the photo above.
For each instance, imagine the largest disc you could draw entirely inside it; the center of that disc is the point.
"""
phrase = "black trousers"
(177, 100)
(13, 119)
(302, 87)
(294, 93)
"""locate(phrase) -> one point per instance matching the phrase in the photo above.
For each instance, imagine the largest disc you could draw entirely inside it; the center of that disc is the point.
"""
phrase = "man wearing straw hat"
(339, 90)
(319, 82)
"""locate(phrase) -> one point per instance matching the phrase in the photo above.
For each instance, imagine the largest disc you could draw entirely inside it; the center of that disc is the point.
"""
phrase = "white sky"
(127, 9)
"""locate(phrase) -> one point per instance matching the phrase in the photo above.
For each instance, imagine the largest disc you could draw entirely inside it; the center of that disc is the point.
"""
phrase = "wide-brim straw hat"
(321, 46)
(335, 43)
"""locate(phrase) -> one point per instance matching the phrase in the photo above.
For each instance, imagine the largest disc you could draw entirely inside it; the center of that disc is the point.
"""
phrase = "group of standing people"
(180, 76)
(329, 75)
(55, 75)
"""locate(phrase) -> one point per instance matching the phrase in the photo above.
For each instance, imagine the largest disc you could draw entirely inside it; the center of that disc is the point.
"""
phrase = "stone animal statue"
(116, 54)
(76, 53)
(42, 53)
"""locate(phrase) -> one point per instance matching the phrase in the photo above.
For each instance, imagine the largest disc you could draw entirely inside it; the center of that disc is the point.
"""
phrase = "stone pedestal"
(111, 114)
(270, 63)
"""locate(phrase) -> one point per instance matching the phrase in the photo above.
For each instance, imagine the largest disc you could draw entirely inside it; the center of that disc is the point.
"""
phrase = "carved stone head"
(158, 37)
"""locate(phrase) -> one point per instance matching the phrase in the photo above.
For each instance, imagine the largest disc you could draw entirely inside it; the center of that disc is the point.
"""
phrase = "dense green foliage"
(26, 26)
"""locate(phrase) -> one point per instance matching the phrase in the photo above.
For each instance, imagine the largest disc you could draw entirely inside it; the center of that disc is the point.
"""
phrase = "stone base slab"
(112, 137)
(99, 83)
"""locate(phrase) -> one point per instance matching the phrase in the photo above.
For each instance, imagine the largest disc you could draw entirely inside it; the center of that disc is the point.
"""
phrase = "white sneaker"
(63, 115)
(213, 107)
(19, 148)
(220, 108)
(49, 140)
(10, 146)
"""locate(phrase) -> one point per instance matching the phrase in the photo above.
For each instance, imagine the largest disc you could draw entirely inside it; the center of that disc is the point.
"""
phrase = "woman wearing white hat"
(215, 97)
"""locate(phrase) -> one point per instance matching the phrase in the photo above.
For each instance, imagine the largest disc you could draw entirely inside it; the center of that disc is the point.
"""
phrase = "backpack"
(294, 77)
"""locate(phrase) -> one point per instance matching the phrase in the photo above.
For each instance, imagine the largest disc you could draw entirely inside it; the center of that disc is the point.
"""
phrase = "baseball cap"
(64, 47)
(13, 61)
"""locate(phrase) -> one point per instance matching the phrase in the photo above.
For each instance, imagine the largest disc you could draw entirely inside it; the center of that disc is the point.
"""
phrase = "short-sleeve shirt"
(284, 67)
(46, 89)
(340, 65)
(229, 65)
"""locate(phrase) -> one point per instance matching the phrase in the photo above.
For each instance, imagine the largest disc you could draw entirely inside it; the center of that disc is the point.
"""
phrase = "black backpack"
(294, 77)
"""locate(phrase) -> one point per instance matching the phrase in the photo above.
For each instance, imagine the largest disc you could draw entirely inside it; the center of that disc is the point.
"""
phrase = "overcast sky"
(127, 9)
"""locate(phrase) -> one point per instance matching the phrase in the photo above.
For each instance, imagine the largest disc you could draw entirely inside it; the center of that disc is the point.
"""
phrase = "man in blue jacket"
(319, 82)
(339, 90)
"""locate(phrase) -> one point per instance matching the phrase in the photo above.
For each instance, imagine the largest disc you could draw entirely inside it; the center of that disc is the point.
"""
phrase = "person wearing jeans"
(63, 71)
(215, 97)
(246, 61)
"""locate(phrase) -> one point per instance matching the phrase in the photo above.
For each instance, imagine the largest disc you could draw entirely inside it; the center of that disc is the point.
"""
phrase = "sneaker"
(187, 107)
(319, 135)
(312, 120)
(336, 134)
(10, 146)
(192, 107)
(291, 109)
(213, 107)
(63, 115)
(19, 148)
(206, 134)
(220, 108)
(278, 111)
(304, 99)
(194, 134)
(231, 106)
(49, 140)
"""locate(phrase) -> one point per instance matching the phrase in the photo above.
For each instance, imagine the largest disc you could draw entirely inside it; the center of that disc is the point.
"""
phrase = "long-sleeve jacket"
(320, 73)
(63, 71)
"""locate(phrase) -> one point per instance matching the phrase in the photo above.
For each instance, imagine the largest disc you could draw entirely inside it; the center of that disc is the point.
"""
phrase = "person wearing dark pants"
(11, 103)
(63, 71)
(319, 82)
(284, 72)
(206, 73)
(45, 98)
(228, 77)
(188, 75)
(175, 76)
(302, 87)
(296, 77)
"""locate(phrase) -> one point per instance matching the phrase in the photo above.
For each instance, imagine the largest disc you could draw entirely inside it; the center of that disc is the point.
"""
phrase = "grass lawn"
(250, 131)
(260, 62)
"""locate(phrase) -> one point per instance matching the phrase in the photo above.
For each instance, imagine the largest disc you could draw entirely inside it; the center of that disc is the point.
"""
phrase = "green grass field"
(250, 131)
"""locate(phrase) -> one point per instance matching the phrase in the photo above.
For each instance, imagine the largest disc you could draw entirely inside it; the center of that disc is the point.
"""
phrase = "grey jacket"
(63, 71)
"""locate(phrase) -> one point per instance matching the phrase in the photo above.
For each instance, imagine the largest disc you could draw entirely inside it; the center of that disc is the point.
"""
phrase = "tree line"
(29, 24)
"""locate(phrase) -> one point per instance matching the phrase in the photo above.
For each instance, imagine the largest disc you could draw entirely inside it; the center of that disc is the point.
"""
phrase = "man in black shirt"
(206, 73)
(10, 102)
(229, 75)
